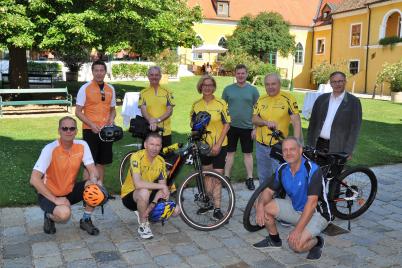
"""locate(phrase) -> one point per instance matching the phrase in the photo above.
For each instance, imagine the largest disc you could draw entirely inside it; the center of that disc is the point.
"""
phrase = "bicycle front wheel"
(249, 222)
(352, 193)
(197, 207)
(124, 166)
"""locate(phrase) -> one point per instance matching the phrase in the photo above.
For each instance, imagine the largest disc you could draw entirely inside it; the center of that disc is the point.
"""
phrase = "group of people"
(240, 114)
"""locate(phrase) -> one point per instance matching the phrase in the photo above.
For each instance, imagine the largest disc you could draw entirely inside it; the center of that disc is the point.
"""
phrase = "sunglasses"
(65, 129)
(102, 92)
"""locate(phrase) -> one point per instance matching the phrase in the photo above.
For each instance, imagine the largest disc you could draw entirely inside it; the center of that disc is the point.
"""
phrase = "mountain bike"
(192, 194)
(351, 190)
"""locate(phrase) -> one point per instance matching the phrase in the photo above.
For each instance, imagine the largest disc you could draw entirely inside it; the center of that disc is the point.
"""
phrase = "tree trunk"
(18, 68)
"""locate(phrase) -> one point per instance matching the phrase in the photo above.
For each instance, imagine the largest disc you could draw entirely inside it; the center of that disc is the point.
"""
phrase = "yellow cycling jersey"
(156, 104)
(218, 109)
(278, 108)
(150, 172)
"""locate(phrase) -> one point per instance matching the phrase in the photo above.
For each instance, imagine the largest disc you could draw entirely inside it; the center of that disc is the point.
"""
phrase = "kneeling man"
(54, 177)
(305, 206)
(145, 182)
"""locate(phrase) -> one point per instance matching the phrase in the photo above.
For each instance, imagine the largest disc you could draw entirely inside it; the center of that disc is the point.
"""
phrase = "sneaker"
(217, 214)
(145, 231)
(316, 251)
(49, 226)
(268, 243)
(285, 223)
(250, 184)
(87, 225)
(204, 210)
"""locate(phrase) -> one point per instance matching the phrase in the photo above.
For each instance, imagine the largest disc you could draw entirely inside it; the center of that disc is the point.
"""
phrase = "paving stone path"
(375, 240)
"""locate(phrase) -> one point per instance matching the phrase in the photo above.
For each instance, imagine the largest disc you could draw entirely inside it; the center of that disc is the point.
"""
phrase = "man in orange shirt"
(95, 107)
(54, 177)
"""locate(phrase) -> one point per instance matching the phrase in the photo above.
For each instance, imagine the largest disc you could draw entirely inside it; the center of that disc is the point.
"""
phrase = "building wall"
(325, 35)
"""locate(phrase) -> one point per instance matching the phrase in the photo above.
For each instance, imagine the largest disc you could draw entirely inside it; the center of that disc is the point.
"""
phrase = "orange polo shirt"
(89, 96)
(60, 167)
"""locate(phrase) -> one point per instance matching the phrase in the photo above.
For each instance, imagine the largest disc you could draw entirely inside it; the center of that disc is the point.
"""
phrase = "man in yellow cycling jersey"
(145, 182)
(275, 110)
(156, 104)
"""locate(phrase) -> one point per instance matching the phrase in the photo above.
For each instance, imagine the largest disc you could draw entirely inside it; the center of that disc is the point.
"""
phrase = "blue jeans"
(266, 165)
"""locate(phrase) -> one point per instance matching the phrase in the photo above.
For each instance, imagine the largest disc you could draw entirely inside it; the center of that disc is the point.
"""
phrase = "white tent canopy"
(209, 49)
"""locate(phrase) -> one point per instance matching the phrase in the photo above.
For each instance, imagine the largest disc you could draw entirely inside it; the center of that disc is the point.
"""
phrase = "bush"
(322, 71)
(125, 70)
(255, 66)
(392, 74)
(390, 40)
(285, 83)
(43, 67)
(167, 60)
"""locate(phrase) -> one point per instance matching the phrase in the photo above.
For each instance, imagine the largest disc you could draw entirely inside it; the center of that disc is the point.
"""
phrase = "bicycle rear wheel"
(355, 188)
(125, 166)
(249, 222)
(190, 200)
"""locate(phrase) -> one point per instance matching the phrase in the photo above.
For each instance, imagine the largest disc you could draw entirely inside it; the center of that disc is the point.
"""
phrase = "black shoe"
(217, 214)
(250, 184)
(49, 226)
(204, 210)
(87, 225)
(316, 251)
(268, 243)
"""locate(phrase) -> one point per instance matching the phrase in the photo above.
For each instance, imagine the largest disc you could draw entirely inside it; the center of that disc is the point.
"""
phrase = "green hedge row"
(124, 70)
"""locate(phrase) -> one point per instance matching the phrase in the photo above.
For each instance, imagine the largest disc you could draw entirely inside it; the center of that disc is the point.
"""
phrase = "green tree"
(261, 35)
(71, 28)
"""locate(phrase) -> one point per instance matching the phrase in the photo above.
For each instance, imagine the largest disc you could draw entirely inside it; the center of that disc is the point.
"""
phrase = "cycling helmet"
(95, 195)
(200, 121)
(162, 211)
(111, 133)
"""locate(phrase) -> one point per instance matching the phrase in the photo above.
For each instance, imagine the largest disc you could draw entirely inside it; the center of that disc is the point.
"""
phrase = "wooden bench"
(36, 79)
(68, 99)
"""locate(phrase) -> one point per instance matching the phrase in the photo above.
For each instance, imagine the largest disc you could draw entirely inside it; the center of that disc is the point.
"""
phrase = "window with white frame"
(299, 53)
(320, 49)
(222, 9)
(271, 57)
(355, 34)
(198, 56)
(354, 67)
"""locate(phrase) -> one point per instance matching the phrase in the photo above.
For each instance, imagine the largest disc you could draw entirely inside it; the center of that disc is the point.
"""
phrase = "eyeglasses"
(102, 92)
(208, 85)
(65, 129)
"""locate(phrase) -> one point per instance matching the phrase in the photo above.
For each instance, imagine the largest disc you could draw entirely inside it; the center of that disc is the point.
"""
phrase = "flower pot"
(71, 76)
(396, 97)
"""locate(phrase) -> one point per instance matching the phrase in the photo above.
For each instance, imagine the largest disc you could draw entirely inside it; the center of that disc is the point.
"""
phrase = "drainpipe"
(332, 34)
(367, 49)
(312, 55)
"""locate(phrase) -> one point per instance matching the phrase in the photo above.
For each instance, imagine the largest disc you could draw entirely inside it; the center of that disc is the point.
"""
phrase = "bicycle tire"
(249, 213)
(187, 199)
(337, 192)
(124, 166)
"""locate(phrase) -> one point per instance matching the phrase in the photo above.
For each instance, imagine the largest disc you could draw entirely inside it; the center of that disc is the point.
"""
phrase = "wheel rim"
(192, 201)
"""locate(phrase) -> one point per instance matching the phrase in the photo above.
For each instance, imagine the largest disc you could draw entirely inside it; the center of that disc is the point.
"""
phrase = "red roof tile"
(296, 12)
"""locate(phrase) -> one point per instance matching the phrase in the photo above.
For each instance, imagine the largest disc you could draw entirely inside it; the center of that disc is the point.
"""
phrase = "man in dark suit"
(336, 119)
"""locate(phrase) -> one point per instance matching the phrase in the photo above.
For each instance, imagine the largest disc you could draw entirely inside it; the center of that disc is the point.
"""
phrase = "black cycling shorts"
(101, 151)
(74, 197)
(234, 134)
(128, 200)
(218, 161)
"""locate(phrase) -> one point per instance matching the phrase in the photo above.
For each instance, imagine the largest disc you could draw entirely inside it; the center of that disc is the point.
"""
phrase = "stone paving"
(375, 240)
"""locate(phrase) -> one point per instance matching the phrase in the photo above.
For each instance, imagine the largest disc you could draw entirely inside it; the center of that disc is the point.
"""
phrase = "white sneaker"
(145, 231)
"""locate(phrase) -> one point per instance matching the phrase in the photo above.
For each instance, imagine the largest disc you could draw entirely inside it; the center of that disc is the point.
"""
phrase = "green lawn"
(22, 139)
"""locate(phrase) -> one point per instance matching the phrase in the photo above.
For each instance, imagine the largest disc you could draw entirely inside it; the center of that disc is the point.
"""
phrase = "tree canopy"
(258, 36)
(71, 28)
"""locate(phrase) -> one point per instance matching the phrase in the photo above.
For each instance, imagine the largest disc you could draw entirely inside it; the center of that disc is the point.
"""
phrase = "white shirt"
(333, 106)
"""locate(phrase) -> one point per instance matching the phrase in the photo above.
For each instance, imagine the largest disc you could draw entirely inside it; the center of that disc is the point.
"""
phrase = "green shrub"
(285, 82)
(167, 60)
(125, 70)
(322, 71)
(389, 40)
(392, 74)
(43, 67)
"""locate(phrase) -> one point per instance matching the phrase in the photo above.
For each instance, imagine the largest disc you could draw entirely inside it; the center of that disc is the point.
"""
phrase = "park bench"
(34, 78)
(67, 100)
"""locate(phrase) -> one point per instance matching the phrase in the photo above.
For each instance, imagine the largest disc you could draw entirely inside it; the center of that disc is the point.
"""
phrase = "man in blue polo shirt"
(305, 207)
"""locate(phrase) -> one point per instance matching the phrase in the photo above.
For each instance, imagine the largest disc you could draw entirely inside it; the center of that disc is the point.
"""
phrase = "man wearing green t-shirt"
(241, 98)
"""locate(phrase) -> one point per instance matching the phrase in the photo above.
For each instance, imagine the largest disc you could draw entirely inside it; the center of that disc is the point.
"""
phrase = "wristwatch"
(159, 120)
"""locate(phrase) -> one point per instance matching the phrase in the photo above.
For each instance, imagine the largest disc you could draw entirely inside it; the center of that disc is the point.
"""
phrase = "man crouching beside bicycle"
(305, 205)
(140, 192)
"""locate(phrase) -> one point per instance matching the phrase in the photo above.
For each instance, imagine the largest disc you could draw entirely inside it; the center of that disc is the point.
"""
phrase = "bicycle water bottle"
(171, 148)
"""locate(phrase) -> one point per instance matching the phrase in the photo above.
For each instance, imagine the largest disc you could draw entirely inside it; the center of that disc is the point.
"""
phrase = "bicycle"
(347, 196)
(192, 194)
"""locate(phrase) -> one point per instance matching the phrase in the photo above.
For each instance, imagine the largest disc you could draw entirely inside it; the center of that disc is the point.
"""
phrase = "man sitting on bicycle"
(140, 191)
(306, 206)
